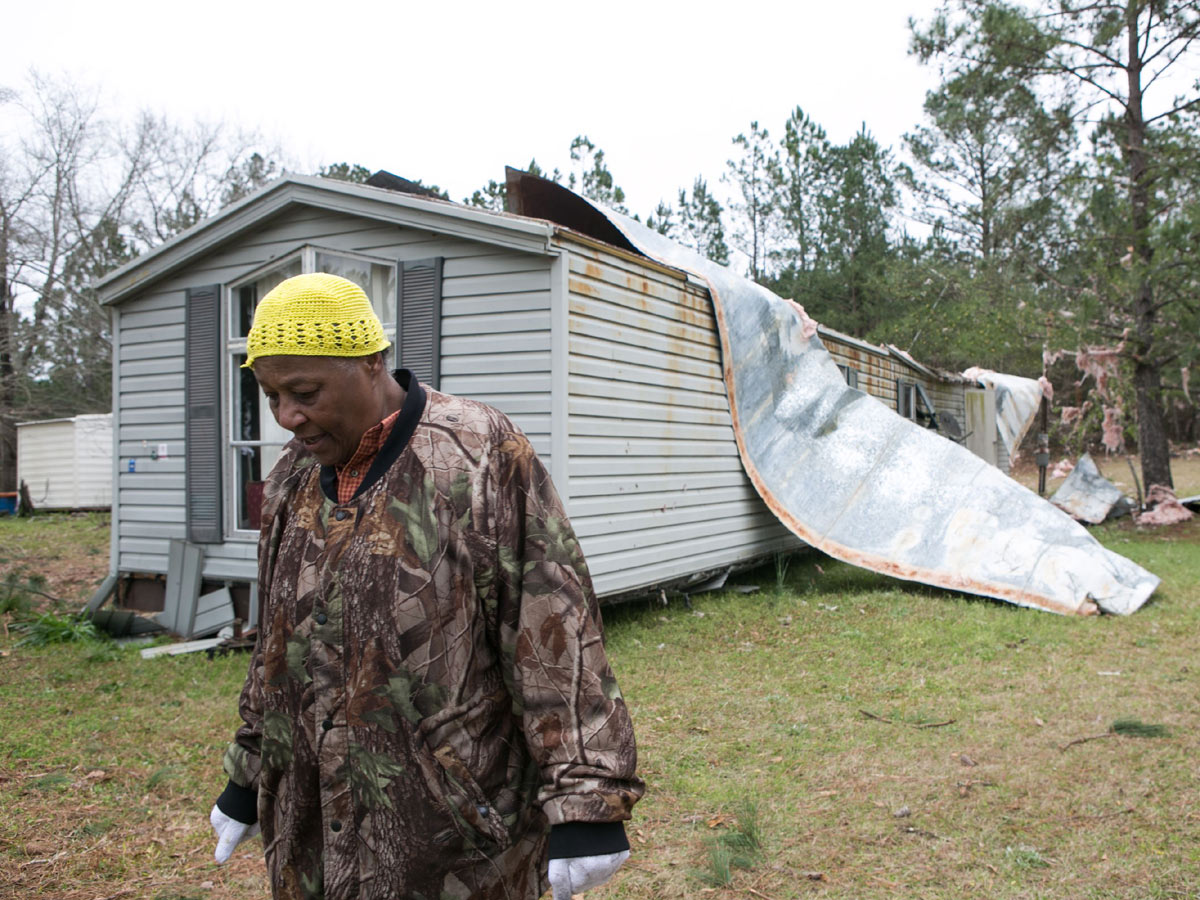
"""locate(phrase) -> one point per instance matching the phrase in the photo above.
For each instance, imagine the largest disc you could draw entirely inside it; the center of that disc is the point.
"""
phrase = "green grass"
(760, 699)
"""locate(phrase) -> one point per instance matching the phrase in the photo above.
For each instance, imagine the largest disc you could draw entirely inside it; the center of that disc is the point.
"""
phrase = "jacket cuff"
(240, 803)
(572, 839)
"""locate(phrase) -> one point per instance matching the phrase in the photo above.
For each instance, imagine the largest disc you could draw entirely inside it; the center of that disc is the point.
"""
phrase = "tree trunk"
(8, 428)
(1152, 432)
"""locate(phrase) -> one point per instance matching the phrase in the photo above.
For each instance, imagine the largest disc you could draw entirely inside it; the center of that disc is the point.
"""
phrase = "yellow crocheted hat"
(314, 315)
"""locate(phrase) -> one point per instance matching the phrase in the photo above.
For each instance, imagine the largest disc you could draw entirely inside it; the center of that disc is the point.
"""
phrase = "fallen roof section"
(865, 485)
(1089, 496)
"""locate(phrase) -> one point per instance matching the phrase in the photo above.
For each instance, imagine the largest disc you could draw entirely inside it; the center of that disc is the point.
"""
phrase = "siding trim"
(114, 517)
(560, 324)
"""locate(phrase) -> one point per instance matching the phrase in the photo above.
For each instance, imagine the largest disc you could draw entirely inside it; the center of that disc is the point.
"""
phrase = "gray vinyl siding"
(148, 504)
(948, 397)
(495, 337)
(657, 489)
(495, 345)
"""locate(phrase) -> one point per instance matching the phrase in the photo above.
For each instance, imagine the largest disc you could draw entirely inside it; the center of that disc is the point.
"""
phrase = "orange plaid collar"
(350, 476)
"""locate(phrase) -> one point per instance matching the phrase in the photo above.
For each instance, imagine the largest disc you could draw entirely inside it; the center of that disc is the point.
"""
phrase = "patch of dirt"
(71, 552)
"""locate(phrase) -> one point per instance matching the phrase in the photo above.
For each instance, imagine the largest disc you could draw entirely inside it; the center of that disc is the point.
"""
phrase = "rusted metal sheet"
(854, 479)
(1089, 496)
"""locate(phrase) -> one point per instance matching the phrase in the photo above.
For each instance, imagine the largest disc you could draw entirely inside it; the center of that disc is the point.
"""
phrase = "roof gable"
(485, 226)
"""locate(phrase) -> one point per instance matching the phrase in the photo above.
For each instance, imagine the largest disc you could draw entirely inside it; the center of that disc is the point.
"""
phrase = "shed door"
(981, 423)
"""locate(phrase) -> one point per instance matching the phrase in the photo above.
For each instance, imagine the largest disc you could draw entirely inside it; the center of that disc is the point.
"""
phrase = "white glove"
(582, 873)
(230, 833)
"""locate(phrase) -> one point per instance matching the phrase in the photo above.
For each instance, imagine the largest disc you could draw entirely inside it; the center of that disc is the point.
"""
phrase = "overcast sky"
(452, 92)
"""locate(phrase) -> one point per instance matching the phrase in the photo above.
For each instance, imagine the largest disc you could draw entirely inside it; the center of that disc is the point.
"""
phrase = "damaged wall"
(852, 478)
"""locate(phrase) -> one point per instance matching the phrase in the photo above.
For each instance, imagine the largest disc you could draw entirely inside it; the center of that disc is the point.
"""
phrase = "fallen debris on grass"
(1163, 508)
(1089, 496)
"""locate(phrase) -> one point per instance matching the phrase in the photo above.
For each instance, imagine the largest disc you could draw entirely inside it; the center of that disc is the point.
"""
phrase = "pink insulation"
(1101, 363)
(1062, 468)
(1112, 438)
(808, 325)
(1165, 509)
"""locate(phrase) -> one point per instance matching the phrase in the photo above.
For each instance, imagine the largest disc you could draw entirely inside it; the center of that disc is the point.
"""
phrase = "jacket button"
(327, 724)
(335, 825)
(322, 618)
(341, 515)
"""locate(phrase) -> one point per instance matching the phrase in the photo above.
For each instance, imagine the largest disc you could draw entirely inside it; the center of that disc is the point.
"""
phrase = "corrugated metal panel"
(657, 489)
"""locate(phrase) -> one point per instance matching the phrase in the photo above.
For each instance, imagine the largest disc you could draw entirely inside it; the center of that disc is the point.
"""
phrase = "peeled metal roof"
(854, 479)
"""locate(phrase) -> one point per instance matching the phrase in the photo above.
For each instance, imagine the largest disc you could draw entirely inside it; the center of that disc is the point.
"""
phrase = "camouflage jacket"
(429, 692)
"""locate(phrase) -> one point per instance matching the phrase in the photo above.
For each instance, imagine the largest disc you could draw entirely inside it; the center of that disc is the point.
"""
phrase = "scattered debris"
(1101, 363)
(964, 787)
(180, 648)
(1062, 468)
(871, 715)
(1125, 727)
(909, 829)
(1113, 437)
(1163, 508)
(1138, 728)
(1089, 496)
(1017, 403)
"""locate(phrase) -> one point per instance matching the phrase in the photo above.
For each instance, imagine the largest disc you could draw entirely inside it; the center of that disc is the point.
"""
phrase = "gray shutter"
(904, 398)
(419, 318)
(202, 399)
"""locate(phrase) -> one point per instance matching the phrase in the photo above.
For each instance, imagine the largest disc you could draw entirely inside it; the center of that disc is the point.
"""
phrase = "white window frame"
(234, 345)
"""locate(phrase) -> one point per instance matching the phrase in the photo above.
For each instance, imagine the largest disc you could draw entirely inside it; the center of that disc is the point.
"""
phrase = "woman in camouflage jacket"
(429, 711)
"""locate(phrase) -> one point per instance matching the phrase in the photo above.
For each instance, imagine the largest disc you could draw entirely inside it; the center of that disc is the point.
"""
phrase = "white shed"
(67, 463)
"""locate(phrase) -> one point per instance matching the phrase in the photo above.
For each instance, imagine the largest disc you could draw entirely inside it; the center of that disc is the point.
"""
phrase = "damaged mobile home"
(613, 352)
